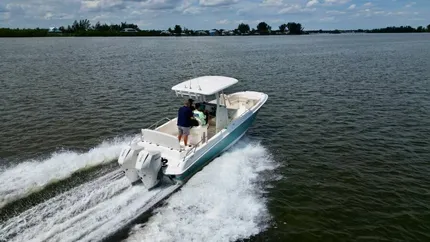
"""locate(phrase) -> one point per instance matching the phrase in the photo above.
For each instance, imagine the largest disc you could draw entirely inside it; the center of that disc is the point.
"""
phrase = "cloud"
(54, 16)
(352, 7)
(4, 13)
(3, 8)
(272, 3)
(101, 5)
(312, 3)
(335, 12)
(192, 10)
(216, 3)
(295, 8)
(4, 16)
(368, 4)
(160, 4)
(224, 21)
(336, 2)
(328, 19)
(410, 4)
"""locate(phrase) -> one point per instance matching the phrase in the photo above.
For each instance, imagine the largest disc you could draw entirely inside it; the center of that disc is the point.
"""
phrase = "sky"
(225, 14)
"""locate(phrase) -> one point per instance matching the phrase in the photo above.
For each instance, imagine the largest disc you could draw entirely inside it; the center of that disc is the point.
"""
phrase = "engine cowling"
(148, 167)
(127, 160)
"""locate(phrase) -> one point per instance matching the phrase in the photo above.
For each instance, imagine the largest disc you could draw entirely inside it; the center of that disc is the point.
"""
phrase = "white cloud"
(53, 16)
(352, 7)
(102, 5)
(410, 4)
(215, 3)
(327, 19)
(335, 12)
(224, 21)
(312, 3)
(276, 21)
(379, 12)
(185, 4)
(143, 23)
(295, 8)
(368, 4)
(272, 3)
(192, 10)
(4, 15)
(333, 2)
(159, 4)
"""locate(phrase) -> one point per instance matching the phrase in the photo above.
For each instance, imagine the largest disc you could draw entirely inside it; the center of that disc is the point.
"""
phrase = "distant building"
(165, 32)
(54, 30)
(229, 32)
(128, 30)
(201, 32)
(213, 32)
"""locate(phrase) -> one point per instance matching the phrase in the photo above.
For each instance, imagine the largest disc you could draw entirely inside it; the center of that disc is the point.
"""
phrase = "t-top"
(184, 116)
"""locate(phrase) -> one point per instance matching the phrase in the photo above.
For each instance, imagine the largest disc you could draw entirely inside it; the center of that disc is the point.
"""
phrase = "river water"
(340, 151)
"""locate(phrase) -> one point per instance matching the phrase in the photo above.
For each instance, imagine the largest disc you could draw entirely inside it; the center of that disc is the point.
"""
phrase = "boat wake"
(33, 175)
(222, 202)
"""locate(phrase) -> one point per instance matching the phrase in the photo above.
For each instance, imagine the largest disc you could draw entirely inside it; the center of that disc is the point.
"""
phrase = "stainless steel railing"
(156, 123)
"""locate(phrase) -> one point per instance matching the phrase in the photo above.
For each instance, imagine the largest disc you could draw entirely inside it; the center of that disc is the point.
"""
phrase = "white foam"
(223, 202)
(85, 213)
(30, 176)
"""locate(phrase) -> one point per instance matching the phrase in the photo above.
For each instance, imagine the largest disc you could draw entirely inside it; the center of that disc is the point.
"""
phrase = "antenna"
(195, 75)
(194, 70)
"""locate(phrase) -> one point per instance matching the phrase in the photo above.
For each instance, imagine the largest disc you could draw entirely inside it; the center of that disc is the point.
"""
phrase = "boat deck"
(211, 131)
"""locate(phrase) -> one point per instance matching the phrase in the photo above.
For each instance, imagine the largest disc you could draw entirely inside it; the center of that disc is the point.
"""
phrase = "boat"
(157, 154)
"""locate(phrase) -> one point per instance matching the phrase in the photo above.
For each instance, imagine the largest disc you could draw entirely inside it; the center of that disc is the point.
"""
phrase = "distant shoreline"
(187, 36)
(83, 28)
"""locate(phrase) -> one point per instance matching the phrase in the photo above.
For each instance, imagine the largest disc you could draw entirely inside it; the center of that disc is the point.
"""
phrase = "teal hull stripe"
(217, 149)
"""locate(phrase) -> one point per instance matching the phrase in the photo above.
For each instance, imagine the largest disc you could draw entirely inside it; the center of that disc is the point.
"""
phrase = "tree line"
(85, 28)
(401, 29)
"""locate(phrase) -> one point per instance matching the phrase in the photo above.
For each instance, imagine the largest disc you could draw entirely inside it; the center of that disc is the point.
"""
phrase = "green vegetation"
(23, 32)
(243, 28)
(295, 28)
(401, 29)
(84, 28)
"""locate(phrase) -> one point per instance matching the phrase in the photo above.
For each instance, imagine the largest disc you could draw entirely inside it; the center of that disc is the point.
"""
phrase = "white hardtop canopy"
(204, 85)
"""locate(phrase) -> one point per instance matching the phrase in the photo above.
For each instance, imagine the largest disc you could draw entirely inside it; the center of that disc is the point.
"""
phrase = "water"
(339, 152)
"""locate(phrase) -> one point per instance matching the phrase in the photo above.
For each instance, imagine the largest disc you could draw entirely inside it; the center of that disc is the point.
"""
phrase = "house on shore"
(201, 32)
(165, 33)
(128, 30)
(213, 32)
(54, 31)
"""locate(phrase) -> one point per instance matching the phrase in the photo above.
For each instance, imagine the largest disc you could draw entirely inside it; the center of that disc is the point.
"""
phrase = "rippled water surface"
(340, 151)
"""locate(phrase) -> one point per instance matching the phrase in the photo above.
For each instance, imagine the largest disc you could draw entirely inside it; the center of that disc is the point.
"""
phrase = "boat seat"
(160, 138)
(198, 134)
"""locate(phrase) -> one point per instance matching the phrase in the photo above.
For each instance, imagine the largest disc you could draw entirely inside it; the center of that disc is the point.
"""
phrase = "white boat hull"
(178, 162)
(215, 147)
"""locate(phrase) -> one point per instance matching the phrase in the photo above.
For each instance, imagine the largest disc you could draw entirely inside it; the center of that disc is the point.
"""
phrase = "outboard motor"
(127, 160)
(148, 167)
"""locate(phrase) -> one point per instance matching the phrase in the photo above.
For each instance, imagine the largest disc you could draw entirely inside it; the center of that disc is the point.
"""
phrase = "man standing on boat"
(185, 114)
